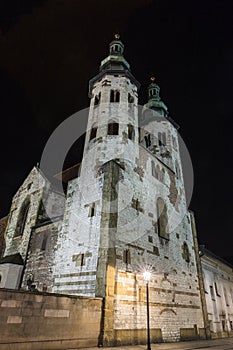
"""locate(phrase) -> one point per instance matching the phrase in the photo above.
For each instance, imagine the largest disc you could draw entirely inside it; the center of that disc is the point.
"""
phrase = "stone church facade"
(125, 212)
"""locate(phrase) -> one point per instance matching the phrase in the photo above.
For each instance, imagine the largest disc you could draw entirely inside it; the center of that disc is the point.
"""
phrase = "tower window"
(114, 96)
(147, 140)
(113, 129)
(117, 96)
(130, 99)
(126, 257)
(162, 138)
(162, 219)
(92, 210)
(93, 133)
(130, 132)
(97, 99)
(150, 239)
(82, 260)
(186, 254)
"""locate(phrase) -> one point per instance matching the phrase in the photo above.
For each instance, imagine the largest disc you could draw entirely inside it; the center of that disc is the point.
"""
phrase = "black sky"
(50, 49)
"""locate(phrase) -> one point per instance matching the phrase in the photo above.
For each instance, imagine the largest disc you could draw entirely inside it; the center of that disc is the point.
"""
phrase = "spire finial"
(117, 36)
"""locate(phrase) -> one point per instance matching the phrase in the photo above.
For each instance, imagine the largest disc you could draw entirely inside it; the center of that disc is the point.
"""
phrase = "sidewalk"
(226, 343)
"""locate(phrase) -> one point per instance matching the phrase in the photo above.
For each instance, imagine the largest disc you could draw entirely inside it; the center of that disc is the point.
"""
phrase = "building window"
(113, 129)
(93, 133)
(82, 260)
(150, 239)
(223, 325)
(231, 325)
(44, 242)
(147, 140)
(186, 254)
(117, 96)
(0, 278)
(130, 99)
(162, 138)
(212, 293)
(226, 296)
(130, 132)
(126, 257)
(22, 218)
(92, 210)
(216, 289)
(97, 99)
(114, 96)
(162, 219)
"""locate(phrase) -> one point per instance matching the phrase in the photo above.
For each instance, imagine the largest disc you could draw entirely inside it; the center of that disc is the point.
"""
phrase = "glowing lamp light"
(146, 275)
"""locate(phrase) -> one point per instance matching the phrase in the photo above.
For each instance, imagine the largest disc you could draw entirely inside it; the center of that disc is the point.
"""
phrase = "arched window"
(117, 96)
(114, 96)
(162, 219)
(97, 99)
(22, 218)
(131, 132)
(148, 140)
(113, 129)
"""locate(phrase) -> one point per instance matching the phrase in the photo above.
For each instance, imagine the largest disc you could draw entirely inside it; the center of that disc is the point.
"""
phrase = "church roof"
(68, 174)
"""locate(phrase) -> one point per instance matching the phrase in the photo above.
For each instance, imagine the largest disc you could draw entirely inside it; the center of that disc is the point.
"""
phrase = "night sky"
(50, 49)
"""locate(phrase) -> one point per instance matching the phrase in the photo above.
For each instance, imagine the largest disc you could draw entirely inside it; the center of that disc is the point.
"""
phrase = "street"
(217, 344)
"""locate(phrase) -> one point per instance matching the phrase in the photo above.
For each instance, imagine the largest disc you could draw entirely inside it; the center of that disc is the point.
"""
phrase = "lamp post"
(146, 276)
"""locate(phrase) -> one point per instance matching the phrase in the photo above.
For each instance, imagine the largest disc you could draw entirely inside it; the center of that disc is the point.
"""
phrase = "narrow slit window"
(22, 218)
(97, 99)
(92, 210)
(147, 140)
(93, 133)
(117, 96)
(164, 138)
(44, 242)
(130, 132)
(127, 257)
(82, 260)
(112, 96)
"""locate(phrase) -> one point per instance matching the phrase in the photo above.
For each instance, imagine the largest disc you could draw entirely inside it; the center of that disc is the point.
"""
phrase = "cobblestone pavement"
(217, 344)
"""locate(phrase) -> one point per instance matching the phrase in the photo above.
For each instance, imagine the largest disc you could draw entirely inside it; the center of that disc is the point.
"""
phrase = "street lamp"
(146, 276)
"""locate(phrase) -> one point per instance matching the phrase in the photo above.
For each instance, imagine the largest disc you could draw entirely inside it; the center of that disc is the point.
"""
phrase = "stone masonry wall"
(31, 321)
(40, 262)
(3, 223)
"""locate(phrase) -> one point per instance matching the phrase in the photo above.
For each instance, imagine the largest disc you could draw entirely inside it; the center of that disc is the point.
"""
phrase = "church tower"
(126, 213)
(91, 213)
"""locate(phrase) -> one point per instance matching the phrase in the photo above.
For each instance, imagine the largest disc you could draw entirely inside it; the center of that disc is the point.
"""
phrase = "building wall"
(32, 190)
(40, 262)
(3, 224)
(218, 284)
(33, 320)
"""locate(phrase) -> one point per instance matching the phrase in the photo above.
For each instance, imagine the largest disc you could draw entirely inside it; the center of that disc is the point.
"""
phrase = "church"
(124, 212)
